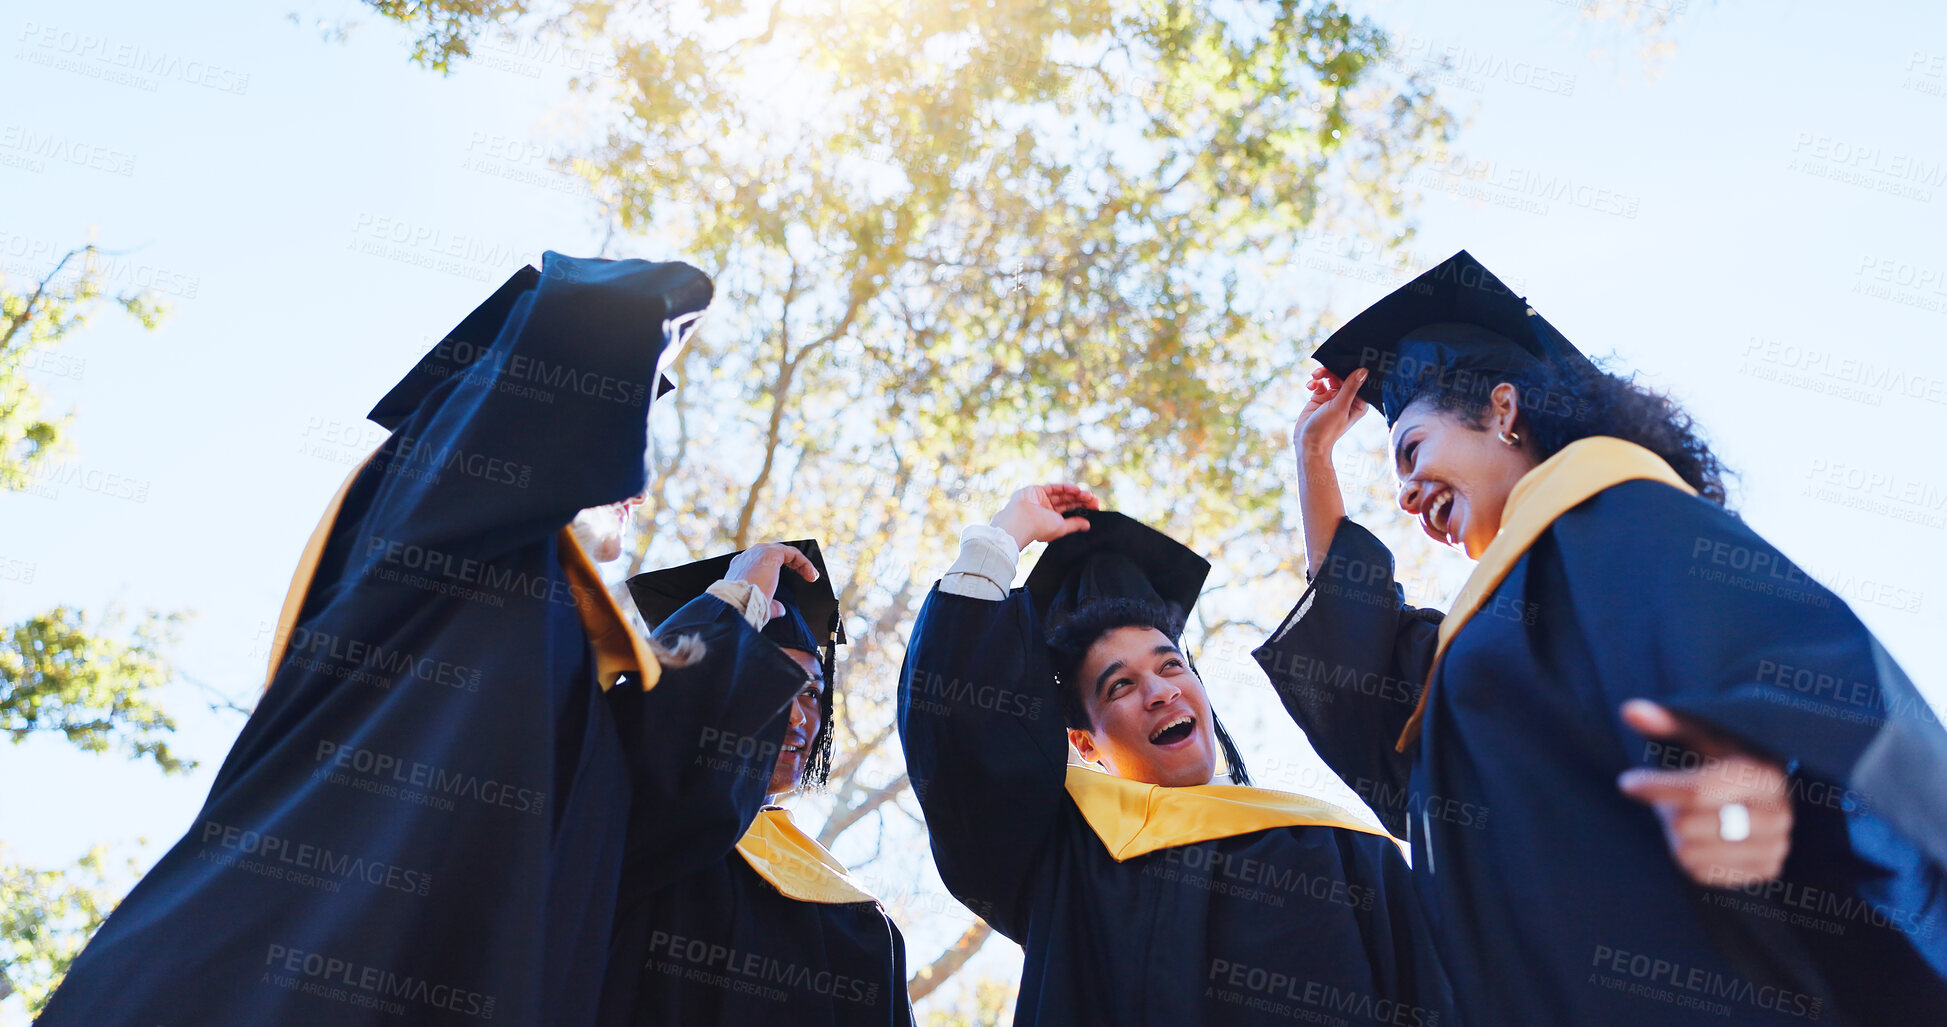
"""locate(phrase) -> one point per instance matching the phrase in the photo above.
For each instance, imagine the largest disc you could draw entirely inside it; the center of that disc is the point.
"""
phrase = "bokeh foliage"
(63, 670)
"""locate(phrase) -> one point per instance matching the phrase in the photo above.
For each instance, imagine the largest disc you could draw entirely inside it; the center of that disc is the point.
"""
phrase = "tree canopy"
(963, 246)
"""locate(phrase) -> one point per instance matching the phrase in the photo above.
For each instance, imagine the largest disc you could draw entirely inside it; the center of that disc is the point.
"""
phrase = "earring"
(1510, 438)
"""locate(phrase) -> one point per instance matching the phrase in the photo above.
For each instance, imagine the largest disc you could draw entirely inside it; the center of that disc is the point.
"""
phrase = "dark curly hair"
(1561, 404)
(1069, 643)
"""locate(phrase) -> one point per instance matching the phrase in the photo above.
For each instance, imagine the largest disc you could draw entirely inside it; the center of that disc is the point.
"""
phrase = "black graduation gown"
(1553, 896)
(423, 819)
(1303, 923)
(701, 937)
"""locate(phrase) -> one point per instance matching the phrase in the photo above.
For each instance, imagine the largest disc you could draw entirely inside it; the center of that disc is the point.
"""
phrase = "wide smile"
(1174, 732)
(1436, 517)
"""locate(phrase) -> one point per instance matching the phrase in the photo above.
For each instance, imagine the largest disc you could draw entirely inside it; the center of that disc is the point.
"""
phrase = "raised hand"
(1716, 847)
(761, 564)
(1034, 514)
(1332, 410)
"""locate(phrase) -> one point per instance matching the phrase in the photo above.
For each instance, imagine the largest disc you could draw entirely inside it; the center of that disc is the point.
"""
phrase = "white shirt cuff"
(986, 566)
(746, 598)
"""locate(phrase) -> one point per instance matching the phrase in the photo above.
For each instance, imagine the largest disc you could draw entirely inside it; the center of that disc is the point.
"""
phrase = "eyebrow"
(1103, 678)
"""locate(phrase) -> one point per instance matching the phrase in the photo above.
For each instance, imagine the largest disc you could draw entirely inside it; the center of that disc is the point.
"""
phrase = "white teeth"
(1182, 719)
(1438, 511)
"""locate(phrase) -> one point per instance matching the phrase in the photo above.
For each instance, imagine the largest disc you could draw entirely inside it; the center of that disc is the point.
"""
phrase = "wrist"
(1315, 463)
(1015, 530)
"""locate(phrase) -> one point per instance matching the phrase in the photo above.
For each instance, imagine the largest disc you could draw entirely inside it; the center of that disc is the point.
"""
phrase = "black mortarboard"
(473, 339)
(1118, 557)
(1456, 323)
(810, 622)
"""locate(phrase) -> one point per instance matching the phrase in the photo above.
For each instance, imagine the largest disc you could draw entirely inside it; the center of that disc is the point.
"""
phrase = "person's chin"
(785, 777)
(1475, 543)
(1196, 770)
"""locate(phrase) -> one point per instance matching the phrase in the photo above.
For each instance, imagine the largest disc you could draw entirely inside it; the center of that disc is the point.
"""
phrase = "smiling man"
(1142, 891)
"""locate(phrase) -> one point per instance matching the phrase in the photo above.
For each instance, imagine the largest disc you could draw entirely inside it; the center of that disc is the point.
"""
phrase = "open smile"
(1436, 517)
(1173, 732)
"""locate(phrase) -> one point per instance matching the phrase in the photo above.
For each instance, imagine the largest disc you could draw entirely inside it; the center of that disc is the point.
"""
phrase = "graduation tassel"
(1233, 760)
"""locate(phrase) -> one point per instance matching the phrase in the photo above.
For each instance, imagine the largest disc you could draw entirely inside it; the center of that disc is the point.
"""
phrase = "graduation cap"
(1455, 324)
(811, 623)
(659, 594)
(1120, 558)
(472, 340)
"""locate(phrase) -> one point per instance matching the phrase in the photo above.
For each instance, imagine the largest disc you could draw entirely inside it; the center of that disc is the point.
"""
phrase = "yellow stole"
(1554, 487)
(617, 649)
(1134, 818)
(796, 864)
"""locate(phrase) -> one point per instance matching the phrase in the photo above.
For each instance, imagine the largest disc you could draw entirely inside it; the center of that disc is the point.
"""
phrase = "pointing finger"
(1654, 721)
(1660, 786)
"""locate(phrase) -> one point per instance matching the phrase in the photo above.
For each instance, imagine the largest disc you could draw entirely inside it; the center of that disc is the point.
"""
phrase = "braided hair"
(817, 769)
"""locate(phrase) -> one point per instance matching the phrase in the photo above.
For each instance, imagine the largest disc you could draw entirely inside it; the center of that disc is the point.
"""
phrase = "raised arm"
(703, 743)
(1349, 662)
(1332, 410)
(981, 722)
(551, 421)
(1350, 659)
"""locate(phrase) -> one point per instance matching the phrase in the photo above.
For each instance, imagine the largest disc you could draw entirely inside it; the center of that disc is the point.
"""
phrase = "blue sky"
(1756, 228)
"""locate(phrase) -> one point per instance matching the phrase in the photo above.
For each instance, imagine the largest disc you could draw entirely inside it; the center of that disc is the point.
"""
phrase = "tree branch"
(27, 312)
(936, 973)
(845, 817)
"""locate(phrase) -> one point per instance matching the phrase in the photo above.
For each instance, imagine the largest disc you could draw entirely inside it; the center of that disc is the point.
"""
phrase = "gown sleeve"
(553, 420)
(1399, 943)
(1349, 662)
(986, 749)
(701, 745)
(1712, 621)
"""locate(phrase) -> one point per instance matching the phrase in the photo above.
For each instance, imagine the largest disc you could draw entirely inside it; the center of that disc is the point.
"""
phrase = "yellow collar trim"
(1554, 487)
(307, 568)
(796, 864)
(1134, 818)
(617, 647)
